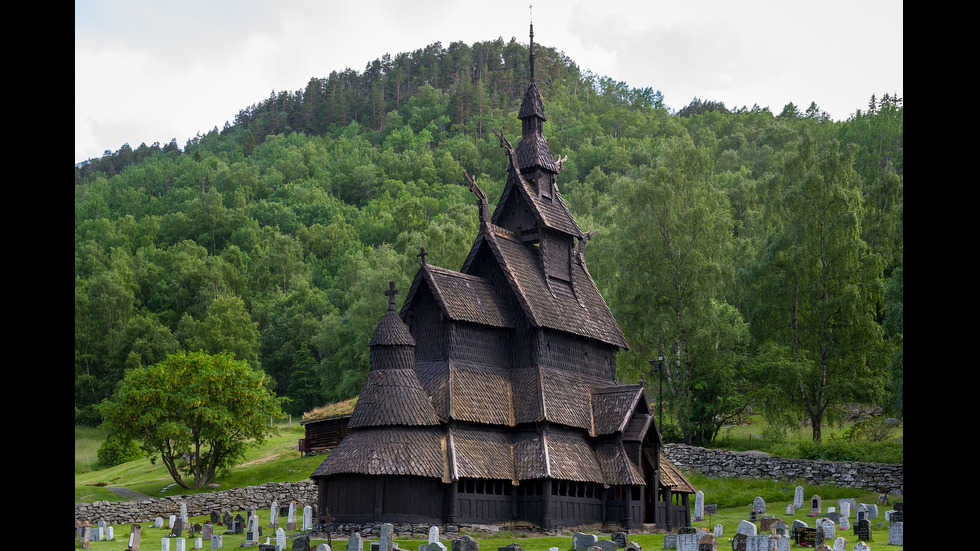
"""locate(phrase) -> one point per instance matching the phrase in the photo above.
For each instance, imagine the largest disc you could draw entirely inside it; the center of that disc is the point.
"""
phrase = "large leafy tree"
(197, 412)
(668, 259)
(813, 291)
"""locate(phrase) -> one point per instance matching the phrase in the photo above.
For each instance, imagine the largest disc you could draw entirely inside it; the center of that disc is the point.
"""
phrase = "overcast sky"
(148, 72)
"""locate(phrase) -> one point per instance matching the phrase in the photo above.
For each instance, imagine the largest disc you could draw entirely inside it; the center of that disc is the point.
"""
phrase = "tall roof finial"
(532, 46)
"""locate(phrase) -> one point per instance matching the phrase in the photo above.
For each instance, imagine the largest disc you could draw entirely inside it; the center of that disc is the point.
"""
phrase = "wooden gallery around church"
(491, 395)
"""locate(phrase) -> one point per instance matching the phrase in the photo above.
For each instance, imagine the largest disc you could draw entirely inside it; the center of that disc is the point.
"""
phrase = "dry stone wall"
(235, 500)
(876, 477)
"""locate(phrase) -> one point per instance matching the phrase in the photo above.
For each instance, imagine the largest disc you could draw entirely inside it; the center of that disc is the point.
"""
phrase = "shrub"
(116, 449)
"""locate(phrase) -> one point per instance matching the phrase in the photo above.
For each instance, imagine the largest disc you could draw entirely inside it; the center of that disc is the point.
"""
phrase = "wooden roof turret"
(392, 394)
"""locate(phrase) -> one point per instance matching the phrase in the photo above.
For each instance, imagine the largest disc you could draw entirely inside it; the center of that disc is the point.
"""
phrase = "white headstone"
(280, 539)
(274, 514)
(110, 534)
(861, 546)
(719, 531)
(759, 504)
(698, 505)
(180, 544)
(307, 518)
(165, 544)
(433, 534)
(840, 544)
(896, 534)
(216, 542)
(798, 498)
(198, 543)
(291, 516)
(252, 532)
(845, 508)
(158, 522)
(323, 547)
(747, 528)
(173, 520)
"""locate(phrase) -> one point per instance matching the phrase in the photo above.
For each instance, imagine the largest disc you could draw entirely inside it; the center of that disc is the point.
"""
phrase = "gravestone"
(790, 510)
(898, 514)
(165, 544)
(323, 547)
(815, 509)
(707, 543)
(215, 517)
(301, 543)
(718, 531)
(862, 530)
(582, 541)
(433, 534)
(239, 524)
(274, 514)
(226, 519)
(833, 516)
(759, 543)
(465, 543)
(844, 523)
(765, 523)
(511, 547)
(355, 542)
(798, 498)
(805, 536)
(307, 518)
(740, 542)
(434, 546)
(670, 541)
(177, 527)
(621, 539)
(823, 547)
(291, 516)
(747, 528)
(387, 542)
(754, 515)
(252, 531)
(280, 539)
(158, 522)
(198, 543)
(840, 544)
(180, 544)
(633, 546)
(135, 532)
(698, 506)
(861, 546)
(604, 545)
(207, 530)
(780, 527)
(829, 529)
(760, 504)
(216, 541)
(895, 533)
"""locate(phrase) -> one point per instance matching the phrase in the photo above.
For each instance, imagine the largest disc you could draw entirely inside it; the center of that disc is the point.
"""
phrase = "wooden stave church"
(499, 401)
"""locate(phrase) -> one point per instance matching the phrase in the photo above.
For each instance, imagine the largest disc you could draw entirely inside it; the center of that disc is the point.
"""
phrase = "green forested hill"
(759, 253)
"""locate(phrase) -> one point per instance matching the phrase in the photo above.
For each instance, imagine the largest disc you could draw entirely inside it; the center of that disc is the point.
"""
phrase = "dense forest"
(758, 255)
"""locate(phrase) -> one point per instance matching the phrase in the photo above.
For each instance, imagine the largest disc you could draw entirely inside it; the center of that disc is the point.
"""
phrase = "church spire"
(532, 51)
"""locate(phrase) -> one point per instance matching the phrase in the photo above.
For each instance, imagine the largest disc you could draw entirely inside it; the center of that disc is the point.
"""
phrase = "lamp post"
(659, 369)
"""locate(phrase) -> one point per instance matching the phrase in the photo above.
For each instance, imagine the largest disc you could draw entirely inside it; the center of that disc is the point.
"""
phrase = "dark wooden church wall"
(362, 499)
(481, 345)
(429, 329)
(574, 354)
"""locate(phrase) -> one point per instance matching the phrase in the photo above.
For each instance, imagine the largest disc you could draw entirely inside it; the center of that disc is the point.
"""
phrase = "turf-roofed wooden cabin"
(498, 402)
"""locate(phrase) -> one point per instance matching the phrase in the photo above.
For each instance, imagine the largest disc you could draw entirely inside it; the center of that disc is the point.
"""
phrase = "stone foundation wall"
(235, 500)
(876, 477)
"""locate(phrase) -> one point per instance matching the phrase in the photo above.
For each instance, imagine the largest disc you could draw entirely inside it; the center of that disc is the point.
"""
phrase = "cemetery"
(864, 522)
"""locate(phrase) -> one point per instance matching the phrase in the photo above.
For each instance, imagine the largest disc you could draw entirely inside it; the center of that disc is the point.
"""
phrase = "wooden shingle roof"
(393, 397)
(461, 297)
(388, 451)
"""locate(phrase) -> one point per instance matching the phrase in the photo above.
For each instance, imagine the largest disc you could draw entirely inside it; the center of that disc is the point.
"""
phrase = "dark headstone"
(862, 530)
(740, 542)
(620, 538)
(301, 543)
(511, 547)
(177, 528)
(215, 517)
(465, 543)
(806, 536)
(604, 545)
